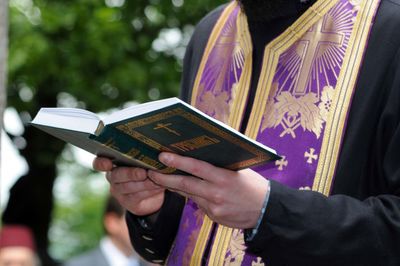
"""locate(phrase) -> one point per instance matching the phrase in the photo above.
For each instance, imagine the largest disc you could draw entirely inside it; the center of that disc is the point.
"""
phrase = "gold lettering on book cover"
(136, 135)
(111, 144)
(133, 153)
(152, 119)
(224, 135)
(150, 161)
(195, 143)
(129, 128)
(166, 127)
(236, 250)
(259, 156)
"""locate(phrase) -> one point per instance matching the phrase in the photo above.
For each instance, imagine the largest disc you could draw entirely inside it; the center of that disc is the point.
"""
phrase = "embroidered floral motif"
(291, 112)
(326, 102)
(236, 249)
(216, 106)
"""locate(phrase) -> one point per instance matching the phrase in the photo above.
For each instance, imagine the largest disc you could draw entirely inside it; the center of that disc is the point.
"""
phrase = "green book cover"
(173, 126)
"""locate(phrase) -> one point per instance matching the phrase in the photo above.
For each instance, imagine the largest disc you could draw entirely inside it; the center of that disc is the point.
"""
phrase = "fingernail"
(165, 158)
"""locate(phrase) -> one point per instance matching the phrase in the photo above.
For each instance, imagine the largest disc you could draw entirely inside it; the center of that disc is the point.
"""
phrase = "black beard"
(264, 10)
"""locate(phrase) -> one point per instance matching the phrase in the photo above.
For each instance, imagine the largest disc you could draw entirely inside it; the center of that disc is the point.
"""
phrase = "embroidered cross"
(310, 156)
(166, 127)
(313, 40)
(282, 163)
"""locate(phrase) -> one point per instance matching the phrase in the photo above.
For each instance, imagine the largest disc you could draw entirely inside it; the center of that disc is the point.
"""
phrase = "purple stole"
(300, 108)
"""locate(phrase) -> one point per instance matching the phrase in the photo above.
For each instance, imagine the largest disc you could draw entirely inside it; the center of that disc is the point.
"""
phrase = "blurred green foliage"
(96, 55)
(100, 55)
(79, 204)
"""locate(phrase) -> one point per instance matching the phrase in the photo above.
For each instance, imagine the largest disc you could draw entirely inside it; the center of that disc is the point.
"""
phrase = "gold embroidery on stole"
(220, 98)
(311, 111)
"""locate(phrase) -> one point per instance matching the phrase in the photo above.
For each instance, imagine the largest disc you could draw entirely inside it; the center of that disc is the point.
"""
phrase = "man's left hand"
(230, 198)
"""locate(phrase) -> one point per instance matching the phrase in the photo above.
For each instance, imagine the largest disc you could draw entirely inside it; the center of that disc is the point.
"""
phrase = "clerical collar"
(291, 11)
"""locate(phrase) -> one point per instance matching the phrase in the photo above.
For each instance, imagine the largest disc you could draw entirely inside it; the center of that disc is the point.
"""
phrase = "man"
(319, 81)
(17, 246)
(115, 249)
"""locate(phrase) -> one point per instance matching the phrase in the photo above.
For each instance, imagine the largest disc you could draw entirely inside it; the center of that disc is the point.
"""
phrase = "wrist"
(251, 233)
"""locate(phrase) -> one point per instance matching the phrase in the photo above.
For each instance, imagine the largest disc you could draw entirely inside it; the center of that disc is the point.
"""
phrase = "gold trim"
(201, 242)
(243, 86)
(223, 238)
(210, 44)
(257, 156)
(271, 56)
(206, 227)
(347, 81)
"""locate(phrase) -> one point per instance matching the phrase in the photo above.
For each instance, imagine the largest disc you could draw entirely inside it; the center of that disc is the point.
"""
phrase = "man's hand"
(231, 198)
(131, 187)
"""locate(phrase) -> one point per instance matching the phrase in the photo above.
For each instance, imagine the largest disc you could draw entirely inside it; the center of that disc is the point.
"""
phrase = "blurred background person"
(17, 247)
(115, 248)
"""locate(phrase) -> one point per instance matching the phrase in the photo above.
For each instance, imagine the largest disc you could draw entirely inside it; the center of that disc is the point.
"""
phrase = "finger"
(102, 164)
(145, 202)
(192, 166)
(126, 174)
(141, 195)
(186, 184)
(201, 203)
(132, 198)
(134, 187)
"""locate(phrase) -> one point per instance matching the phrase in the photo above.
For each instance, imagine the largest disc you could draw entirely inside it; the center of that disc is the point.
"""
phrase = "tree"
(3, 58)
(90, 54)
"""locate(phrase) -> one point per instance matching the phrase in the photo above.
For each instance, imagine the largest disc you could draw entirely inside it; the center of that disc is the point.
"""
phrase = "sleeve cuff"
(251, 233)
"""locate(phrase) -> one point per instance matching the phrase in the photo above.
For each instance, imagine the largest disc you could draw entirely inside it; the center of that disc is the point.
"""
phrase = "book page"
(139, 109)
(68, 118)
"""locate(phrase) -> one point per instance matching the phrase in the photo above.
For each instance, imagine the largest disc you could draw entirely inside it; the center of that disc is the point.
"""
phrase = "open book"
(135, 136)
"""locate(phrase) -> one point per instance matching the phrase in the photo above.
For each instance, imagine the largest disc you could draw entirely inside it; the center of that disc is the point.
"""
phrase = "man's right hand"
(131, 187)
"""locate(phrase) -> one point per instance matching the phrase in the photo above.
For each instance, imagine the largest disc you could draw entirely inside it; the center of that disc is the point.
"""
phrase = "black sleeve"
(154, 240)
(308, 228)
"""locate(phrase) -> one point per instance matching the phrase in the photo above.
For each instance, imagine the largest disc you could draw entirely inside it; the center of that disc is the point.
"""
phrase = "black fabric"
(360, 223)
(153, 241)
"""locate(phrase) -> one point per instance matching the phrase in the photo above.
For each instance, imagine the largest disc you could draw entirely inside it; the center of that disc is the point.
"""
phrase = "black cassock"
(359, 224)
